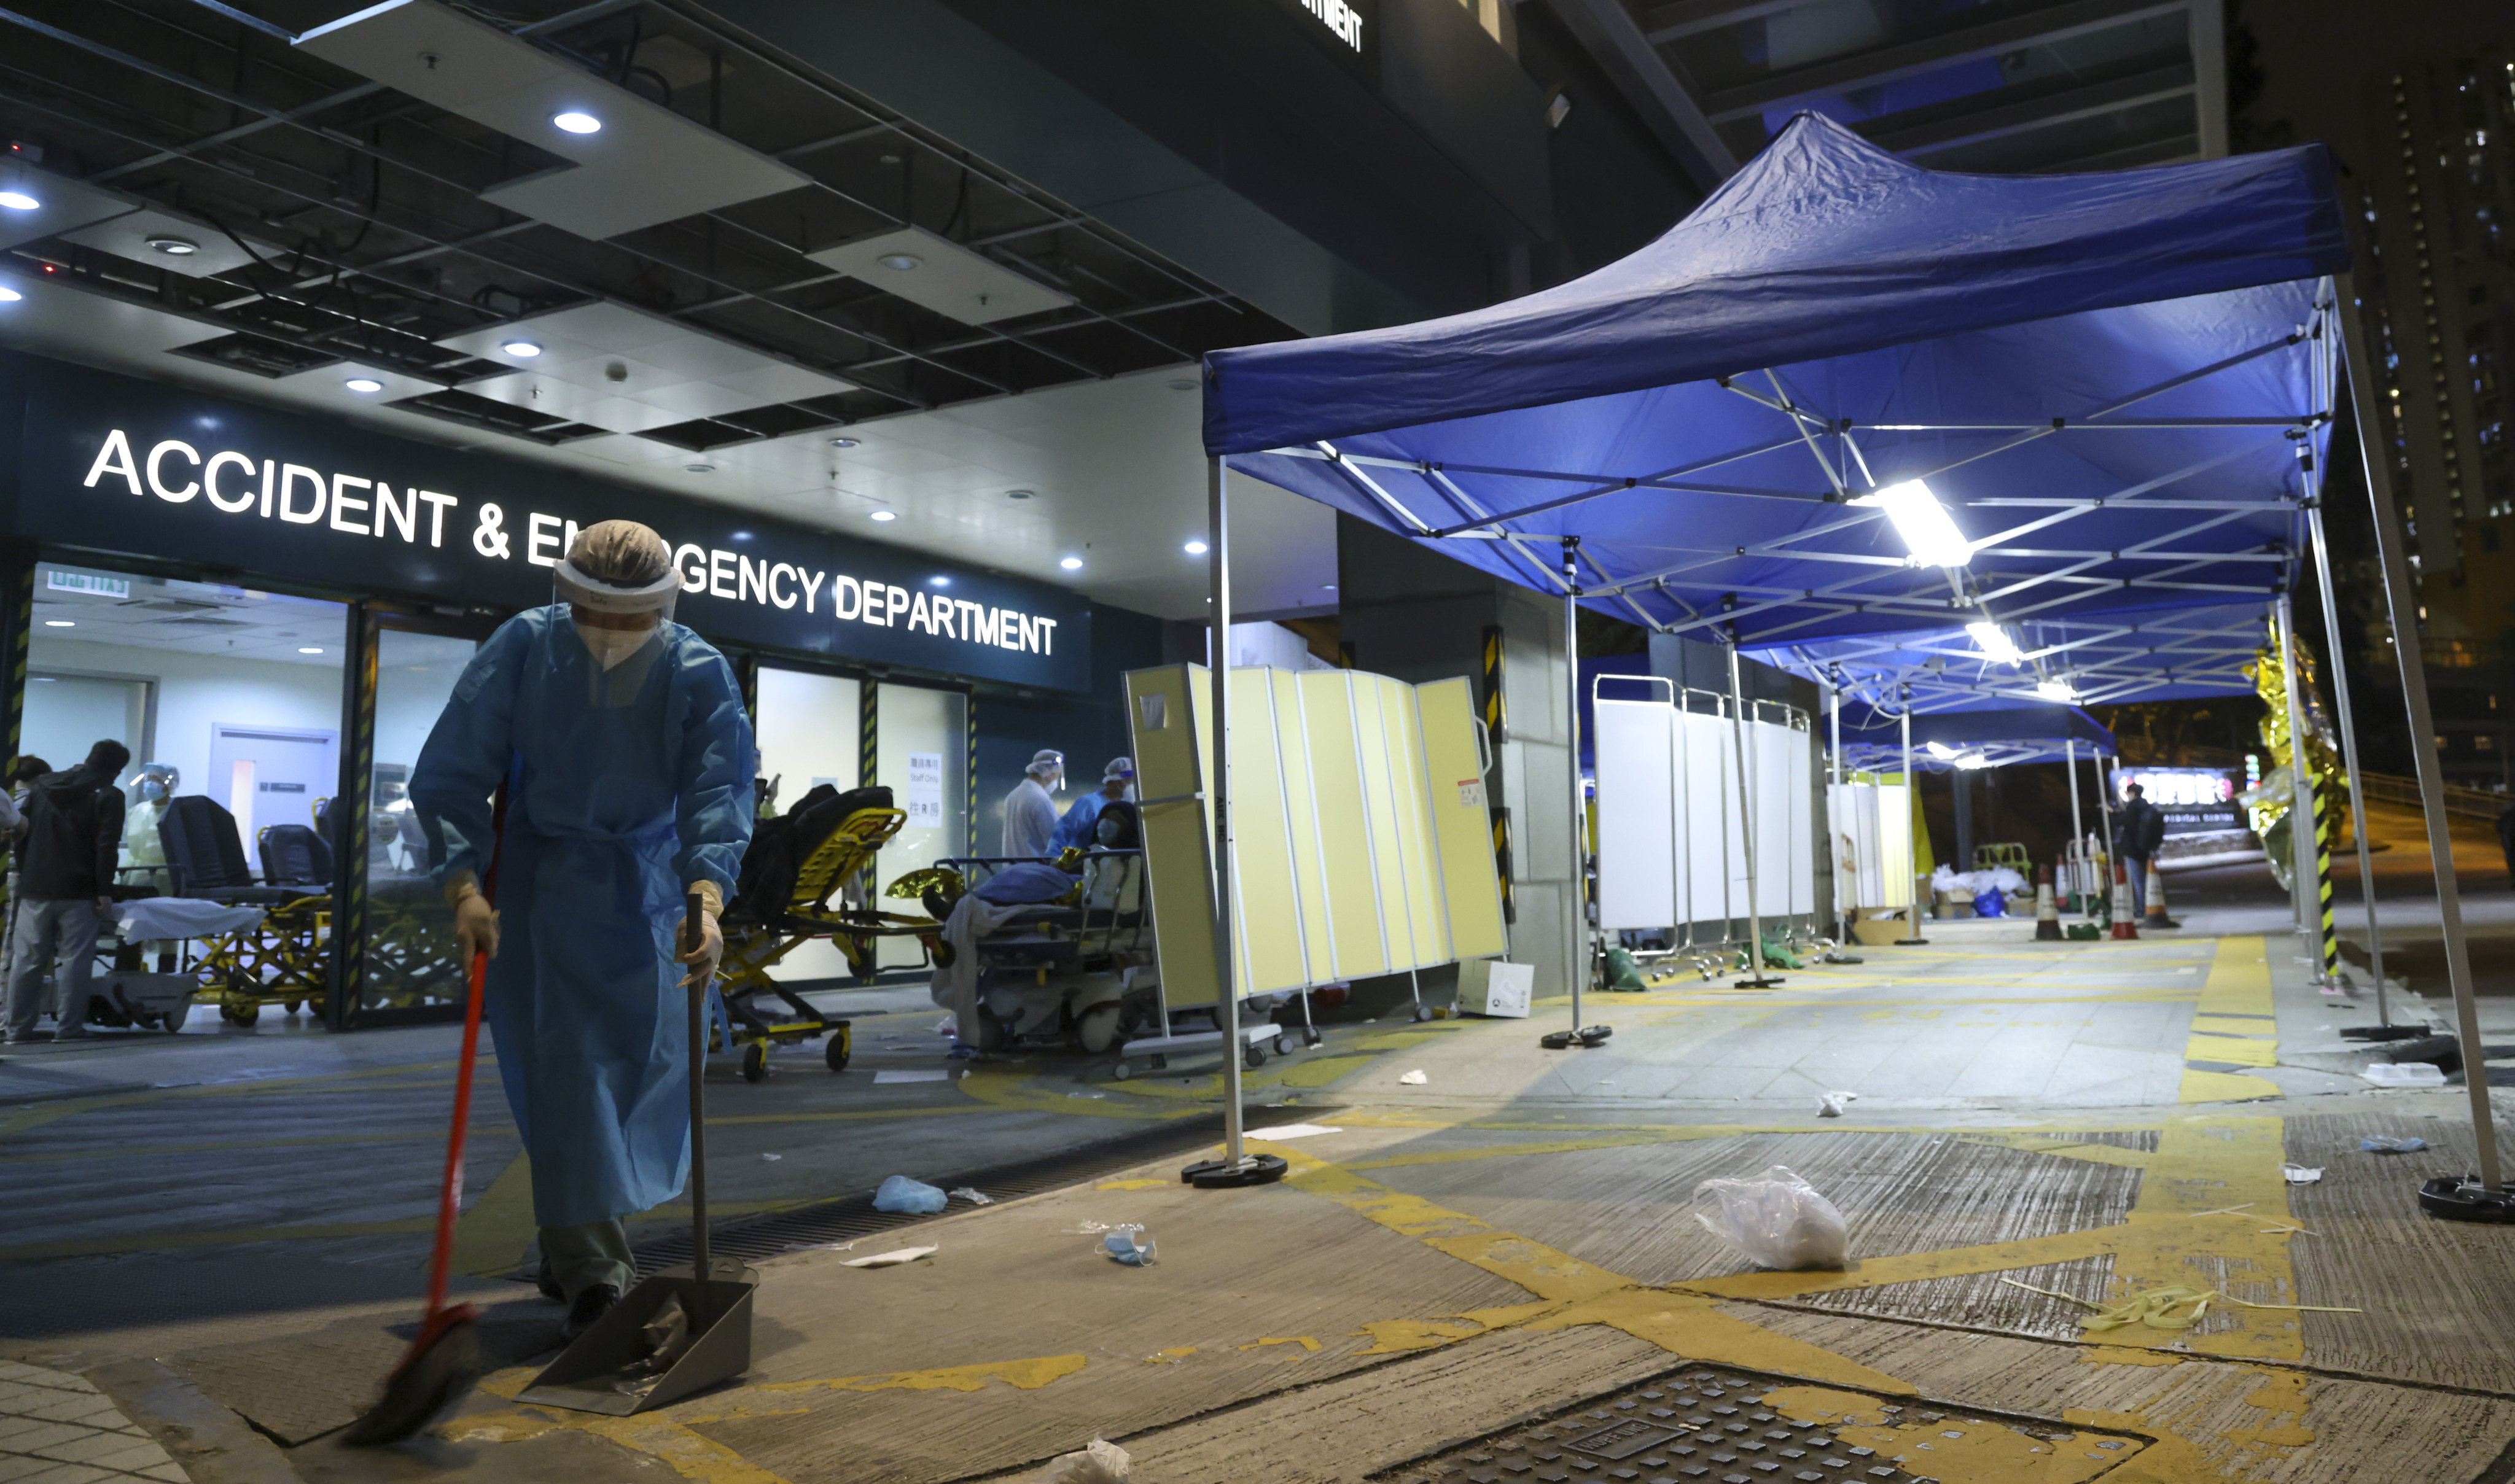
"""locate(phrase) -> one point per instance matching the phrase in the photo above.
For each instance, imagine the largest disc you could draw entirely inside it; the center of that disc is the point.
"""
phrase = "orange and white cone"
(2156, 917)
(2123, 927)
(2047, 913)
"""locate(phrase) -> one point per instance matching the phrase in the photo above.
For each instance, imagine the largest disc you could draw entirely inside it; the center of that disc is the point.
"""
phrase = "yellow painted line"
(1575, 1292)
(869, 1115)
(2236, 995)
(1020, 1374)
(2127, 996)
(490, 1238)
(656, 1434)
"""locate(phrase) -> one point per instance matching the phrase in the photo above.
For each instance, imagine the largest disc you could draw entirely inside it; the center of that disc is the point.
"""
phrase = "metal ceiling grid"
(208, 115)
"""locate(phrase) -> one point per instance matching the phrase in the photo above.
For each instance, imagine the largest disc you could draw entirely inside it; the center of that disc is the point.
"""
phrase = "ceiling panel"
(941, 274)
(126, 236)
(61, 204)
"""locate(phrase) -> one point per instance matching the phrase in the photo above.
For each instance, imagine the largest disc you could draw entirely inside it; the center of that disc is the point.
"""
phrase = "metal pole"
(2349, 753)
(2300, 814)
(1747, 821)
(1577, 831)
(2105, 822)
(2077, 831)
(1912, 842)
(2400, 603)
(1842, 913)
(1219, 790)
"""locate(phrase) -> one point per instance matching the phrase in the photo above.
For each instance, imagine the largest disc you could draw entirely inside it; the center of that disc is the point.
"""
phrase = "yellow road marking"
(2236, 994)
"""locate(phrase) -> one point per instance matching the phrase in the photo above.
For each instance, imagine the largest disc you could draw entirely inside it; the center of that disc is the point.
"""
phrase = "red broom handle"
(449, 1200)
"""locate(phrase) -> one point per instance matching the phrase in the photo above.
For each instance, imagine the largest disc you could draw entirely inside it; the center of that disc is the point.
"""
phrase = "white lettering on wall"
(1337, 16)
(376, 509)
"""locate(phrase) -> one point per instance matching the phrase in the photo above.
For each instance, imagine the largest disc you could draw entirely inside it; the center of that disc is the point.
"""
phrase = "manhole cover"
(1702, 1425)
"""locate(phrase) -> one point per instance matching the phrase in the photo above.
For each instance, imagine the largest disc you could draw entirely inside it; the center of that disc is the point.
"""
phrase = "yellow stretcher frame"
(285, 960)
(752, 950)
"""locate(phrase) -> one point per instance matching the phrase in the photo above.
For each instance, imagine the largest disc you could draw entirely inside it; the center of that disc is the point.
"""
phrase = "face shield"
(156, 782)
(616, 608)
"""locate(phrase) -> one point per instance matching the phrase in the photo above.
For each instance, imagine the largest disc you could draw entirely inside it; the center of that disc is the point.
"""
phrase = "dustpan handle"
(691, 932)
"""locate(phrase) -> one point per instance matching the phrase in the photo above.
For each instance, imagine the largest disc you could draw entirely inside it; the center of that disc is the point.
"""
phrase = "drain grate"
(1694, 1426)
(756, 1238)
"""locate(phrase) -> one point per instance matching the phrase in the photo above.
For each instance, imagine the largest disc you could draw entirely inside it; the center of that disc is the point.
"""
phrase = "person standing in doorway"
(65, 875)
(2139, 829)
(1030, 811)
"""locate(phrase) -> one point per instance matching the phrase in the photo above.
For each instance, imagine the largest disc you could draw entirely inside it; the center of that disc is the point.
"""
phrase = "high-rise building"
(2436, 285)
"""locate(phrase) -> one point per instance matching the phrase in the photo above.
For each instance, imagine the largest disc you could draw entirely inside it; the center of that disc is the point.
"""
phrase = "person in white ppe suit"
(1030, 811)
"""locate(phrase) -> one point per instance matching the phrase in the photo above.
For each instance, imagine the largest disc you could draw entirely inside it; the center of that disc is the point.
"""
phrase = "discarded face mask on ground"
(1777, 1219)
(1100, 1463)
(665, 1336)
(1130, 1247)
(2386, 1143)
(899, 1193)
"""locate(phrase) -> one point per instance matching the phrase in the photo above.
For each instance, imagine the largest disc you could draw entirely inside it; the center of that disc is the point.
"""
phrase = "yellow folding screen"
(1356, 848)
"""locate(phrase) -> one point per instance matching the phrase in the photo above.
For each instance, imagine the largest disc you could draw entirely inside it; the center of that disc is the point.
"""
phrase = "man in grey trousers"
(65, 879)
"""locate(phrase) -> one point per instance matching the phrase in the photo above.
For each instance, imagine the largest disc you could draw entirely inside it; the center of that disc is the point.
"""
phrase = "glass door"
(921, 748)
(411, 961)
(808, 728)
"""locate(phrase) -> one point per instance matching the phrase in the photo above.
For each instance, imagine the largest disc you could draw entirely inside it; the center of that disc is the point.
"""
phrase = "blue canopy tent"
(1872, 741)
(1848, 395)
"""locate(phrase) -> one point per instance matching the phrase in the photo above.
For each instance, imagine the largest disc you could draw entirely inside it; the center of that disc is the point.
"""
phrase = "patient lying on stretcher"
(1007, 894)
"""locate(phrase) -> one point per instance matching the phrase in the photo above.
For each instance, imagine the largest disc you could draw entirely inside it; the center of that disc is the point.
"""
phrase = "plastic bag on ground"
(971, 1194)
(2386, 1143)
(1100, 1463)
(1831, 1104)
(900, 1193)
(1777, 1219)
(1991, 903)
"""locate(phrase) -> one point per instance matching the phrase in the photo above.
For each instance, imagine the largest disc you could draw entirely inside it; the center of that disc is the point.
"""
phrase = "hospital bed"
(284, 958)
(1078, 970)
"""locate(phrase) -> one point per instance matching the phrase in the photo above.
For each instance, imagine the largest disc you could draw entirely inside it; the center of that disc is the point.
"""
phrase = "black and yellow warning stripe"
(2329, 934)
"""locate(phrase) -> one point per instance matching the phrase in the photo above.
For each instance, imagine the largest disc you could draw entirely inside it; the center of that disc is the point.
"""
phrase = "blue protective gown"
(1077, 827)
(626, 786)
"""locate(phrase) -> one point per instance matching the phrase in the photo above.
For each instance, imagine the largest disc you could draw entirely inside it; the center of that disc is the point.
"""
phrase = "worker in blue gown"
(627, 763)
(1083, 816)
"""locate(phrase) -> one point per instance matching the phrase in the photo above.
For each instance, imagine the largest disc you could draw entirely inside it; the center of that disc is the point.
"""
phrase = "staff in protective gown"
(627, 755)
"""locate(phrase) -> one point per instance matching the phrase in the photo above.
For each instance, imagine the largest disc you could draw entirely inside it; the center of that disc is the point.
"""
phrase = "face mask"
(150, 791)
(610, 647)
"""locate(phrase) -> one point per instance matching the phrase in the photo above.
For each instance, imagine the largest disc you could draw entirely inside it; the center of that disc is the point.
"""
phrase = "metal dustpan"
(616, 1367)
(594, 1374)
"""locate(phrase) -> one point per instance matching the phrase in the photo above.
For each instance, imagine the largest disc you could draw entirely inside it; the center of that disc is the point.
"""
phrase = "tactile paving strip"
(1699, 1426)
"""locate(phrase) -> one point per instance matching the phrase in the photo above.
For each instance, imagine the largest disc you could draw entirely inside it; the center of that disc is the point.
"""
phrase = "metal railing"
(2469, 802)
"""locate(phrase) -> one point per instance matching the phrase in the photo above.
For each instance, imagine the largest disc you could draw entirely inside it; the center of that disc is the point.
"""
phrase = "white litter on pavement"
(1830, 1104)
(883, 1077)
(2298, 1174)
(890, 1259)
(1414, 1079)
(1102, 1462)
(1294, 1131)
(971, 1194)
(2405, 1074)
(772, 1157)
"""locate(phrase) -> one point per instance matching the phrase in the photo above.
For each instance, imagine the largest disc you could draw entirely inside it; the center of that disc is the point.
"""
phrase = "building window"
(2443, 743)
(2484, 742)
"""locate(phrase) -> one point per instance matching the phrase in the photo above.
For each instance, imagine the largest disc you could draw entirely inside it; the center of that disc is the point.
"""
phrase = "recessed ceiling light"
(18, 201)
(939, 582)
(900, 263)
(885, 515)
(173, 246)
(310, 649)
(1327, 586)
(1017, 494)
(60, 623)
(10, 296)
(575, 121)
(845, 443)
(522, 350)
(1197, 549)
(700, 468)
(363, 383)
(1072, 564)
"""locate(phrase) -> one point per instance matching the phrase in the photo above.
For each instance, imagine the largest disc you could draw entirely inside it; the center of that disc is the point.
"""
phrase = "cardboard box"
(1495, 987)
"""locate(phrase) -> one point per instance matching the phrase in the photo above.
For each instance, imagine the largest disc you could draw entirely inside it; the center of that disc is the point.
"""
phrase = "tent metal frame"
(1972, 594)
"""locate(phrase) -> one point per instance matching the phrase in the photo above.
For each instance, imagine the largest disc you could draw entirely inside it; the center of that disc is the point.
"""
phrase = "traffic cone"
(2156, 917)
(2123, 927)
(2047, 914)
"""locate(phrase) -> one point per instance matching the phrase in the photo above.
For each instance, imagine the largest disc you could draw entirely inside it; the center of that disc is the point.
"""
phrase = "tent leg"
(1576, 900)
(2077, 831)
(2300, 812)
(2400, 603)
(1747, 823)
(1911, 811)
(1236, 1167)
(2349, 757)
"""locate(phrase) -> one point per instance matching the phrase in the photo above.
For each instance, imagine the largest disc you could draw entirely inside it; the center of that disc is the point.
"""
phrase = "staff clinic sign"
(279, 496)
